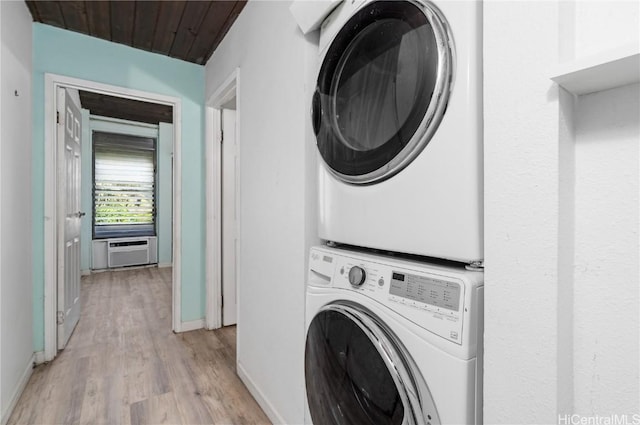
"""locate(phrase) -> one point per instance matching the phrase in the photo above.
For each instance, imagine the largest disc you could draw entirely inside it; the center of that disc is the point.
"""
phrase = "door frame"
(229, 89)
(52, 82)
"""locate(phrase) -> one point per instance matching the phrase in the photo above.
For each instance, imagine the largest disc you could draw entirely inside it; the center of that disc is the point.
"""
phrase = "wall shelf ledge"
(603, 71)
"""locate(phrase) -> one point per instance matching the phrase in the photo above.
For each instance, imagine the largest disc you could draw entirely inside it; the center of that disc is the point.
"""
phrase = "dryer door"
(356, 372)
(382, 89)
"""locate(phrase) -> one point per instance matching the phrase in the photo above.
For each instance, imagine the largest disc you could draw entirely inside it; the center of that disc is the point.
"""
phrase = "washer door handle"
(316, 111)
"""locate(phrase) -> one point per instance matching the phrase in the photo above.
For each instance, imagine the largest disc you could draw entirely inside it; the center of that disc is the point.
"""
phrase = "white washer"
(397, 115)
(391, 341)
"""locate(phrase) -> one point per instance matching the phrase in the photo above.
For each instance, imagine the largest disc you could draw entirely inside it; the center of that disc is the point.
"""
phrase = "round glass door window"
(355, 374)
(382, 89)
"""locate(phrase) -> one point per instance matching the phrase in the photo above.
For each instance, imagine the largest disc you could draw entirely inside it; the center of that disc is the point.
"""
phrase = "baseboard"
(19, 389)
(259, 396)
(85, 272)
(191, 326)
(38, 357)
(163, 265)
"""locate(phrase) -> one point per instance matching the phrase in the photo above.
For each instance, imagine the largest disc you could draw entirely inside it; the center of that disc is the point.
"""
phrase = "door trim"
(52, 82)
(229, 89)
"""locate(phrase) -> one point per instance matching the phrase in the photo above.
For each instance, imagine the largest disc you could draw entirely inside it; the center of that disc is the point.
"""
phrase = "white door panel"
(69, 175)
(229, 221)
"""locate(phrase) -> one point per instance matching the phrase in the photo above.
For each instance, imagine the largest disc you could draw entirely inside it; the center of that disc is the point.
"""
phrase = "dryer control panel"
(433, 297)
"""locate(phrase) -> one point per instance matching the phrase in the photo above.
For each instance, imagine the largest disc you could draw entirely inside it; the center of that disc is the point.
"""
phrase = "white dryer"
(397, 114)
(391, 341)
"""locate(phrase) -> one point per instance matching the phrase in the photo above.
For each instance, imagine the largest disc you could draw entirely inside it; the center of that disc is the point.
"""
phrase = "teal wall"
(75, 55)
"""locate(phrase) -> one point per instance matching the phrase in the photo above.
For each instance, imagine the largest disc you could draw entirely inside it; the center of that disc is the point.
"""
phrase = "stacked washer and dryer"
(394, 302)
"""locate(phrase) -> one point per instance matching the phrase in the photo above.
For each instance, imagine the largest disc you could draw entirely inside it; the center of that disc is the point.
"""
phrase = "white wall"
(606, 273)
(521, 212)
(601, 25)
(16, 334)
(277, 199)
(606, 267)
(561, 218)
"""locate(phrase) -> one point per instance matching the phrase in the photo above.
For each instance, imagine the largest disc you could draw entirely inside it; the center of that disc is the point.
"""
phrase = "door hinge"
(57, 117)
(60, 317)
(221, 136)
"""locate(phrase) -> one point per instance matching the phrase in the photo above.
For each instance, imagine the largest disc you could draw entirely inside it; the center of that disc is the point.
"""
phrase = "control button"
(357, 276)
(381, 282)
(341, 270)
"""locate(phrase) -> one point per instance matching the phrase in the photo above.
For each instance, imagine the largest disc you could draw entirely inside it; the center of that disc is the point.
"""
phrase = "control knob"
(357, 276)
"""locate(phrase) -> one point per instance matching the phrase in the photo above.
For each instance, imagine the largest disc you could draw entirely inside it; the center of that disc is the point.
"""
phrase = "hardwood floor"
(124, 365)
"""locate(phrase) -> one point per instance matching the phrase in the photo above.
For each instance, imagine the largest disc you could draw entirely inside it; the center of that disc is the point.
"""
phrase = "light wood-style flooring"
(124, 365)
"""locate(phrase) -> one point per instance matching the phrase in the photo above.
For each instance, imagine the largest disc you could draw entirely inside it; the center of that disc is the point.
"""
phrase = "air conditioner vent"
(129, 243)
(131, 251)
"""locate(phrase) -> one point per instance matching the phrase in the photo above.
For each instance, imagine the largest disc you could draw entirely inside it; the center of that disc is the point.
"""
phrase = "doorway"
(223, 204)
(54, 199)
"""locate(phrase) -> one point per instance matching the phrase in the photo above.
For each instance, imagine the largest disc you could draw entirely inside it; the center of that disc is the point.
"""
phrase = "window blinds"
(124, 181)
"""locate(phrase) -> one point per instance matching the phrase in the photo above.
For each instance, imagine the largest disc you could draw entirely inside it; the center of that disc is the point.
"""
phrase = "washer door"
(357, 373)
(382, 89)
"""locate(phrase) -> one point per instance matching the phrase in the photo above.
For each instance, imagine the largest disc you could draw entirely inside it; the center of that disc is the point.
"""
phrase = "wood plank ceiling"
(187, 30)
(127, 109)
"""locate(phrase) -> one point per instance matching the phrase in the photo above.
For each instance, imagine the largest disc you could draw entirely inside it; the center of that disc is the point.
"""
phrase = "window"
(123, 185)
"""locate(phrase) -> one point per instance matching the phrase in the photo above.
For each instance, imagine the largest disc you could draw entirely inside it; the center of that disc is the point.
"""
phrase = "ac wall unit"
(131, 251)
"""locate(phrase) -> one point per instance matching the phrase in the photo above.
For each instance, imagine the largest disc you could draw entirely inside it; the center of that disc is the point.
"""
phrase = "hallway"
(124, 365)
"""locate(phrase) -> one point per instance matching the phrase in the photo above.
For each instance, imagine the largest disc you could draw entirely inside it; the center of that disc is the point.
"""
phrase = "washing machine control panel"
(432, 301)
(429, 297)
(425, 290)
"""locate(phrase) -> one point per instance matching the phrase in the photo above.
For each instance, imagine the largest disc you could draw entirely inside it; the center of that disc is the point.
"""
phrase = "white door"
(69, 157)
(229, 217)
